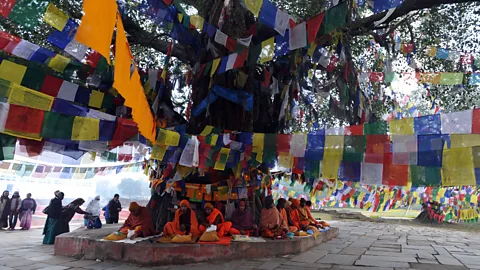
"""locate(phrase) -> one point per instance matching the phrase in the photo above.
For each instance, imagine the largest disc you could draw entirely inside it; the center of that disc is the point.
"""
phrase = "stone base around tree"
(87, 244)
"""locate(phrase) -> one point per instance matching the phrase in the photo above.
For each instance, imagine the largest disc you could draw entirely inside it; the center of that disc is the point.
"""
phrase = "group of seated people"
(275, 221)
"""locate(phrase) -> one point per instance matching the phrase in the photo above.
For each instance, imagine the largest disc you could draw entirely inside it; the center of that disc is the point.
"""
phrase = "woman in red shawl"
(242, 221)
(139, 220)
(215, 217)
(184, 223)
(272, 224)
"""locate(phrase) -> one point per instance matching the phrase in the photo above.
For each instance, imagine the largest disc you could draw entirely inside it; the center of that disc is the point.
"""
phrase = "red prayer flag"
(376, 76)
(8, 42)
(231, 44)
(266, 78)
(92, 58)
(34, 148)
(125, 130)
(475, 121)
(51, 85)
(283, 143)
(241, 58)
(24, 120)
(253, 30)
(393, 174)
(313, 25)
(6, 7)
(168, 2)
(377, 146)
(354, 130)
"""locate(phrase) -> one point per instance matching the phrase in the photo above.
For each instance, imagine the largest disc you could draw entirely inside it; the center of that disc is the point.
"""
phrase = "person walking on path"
(114, 208)
(4, 209)
(53, 224)
(15, 203)
(27, 209)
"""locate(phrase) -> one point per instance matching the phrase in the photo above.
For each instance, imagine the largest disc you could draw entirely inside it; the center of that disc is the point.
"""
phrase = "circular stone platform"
(87, 244)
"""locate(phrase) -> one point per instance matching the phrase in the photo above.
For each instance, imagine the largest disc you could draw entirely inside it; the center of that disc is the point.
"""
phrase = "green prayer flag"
(107, 102)
(4, 89)
(28, 13)
(254, 54)
(186, 21)
(8, 146)
(57, 126)
(451, 78)
(28, 170)
(389, 77)
(380, 127)
(207, 69)
(90, 173)
(33, 78)
(354, 148)
(334, 18)
(425, 176)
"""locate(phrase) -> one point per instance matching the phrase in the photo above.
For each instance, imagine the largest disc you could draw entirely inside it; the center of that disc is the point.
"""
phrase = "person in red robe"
(272, 224)
(139, 221)
(184, 223)
(242, 221)
(215, 217)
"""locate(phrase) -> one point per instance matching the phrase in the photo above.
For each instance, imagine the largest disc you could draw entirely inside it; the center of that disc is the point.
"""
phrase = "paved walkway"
(361, 245)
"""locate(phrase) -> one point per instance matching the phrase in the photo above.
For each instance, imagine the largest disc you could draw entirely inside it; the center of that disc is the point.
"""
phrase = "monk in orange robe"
(321, 222)
(283, 212)
(184, 223)
(305, 215)
(214, 217)
(295, 216)
(272, 224)
(139, 221)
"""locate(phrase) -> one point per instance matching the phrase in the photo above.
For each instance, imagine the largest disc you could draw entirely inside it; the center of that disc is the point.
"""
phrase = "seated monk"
(305, 215)
(184, 223)
(309, 208)
(272, 224)
(214, 217)
(281, 208)
(139, 221)
(242, 221)
(295, 215)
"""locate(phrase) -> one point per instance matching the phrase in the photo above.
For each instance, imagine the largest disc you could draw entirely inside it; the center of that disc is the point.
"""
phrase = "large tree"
(448, 23)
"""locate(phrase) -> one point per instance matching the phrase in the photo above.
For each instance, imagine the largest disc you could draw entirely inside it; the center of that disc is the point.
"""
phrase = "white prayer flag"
(298, 36)
(221, 38)
(281, 22)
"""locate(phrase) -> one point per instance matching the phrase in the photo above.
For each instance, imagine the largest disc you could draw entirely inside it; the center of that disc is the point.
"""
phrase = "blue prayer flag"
(382, 5)
(442, 53)
(268, 14)
(429, 124)
(62, 38)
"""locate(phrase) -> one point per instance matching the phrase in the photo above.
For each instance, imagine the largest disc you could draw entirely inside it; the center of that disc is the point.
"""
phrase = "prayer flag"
(221, 38)
(96, 99)
(85, 129)
(457, 122)
(298, 145)
(451, 78)
(457, 169)
(4, 108)
(240, 59)
(6, 7)
(167, 137)
(51, 85)
(12, 72)
(76, 49)
(268, 50)
(59, 63)
(25, 49)
(222, 158)
(55, 17)
(57, 126)
(28, 13)
(7, 146)
(313, 25)
(254, 6)
(382, 5)
(475, 79)
(371, 174)
(23, 96)
(65, 36)
(68, 91)
(97, 25)
(24, 122)
(402, 126)
(125, 130)
(298, 36)
(431, 51)
(476, 121)
(281, 22)
(429, 124)
(268, 14)
(33, 78)
(197, 21)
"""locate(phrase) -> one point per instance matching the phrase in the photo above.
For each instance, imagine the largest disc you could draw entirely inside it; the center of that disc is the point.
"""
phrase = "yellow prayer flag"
(167, 137)
(220, 164)
(26, 97)
(55, 17)
(158, 152)
(207, 130)
(333, 155)
(258, 141)
(268, 50)
(285, 160)
(311, 49)
(431, 51)
(215, 64)
(254, 6)
(197, 21)
(259, 157)
(59, 62)
(96, 99)
(180, 17)
(431, 78)
(457, 167)
(464, 140)
(402, 126)
(85, 129)
(97, 25)
(12, 72)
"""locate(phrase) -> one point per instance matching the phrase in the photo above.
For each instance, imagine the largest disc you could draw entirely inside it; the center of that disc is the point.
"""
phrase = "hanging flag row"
(453, 55)
(60, 172)
(38, 80)
(437, 78)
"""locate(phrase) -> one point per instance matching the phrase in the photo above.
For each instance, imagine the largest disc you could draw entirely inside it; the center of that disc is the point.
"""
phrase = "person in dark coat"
(114, 208)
